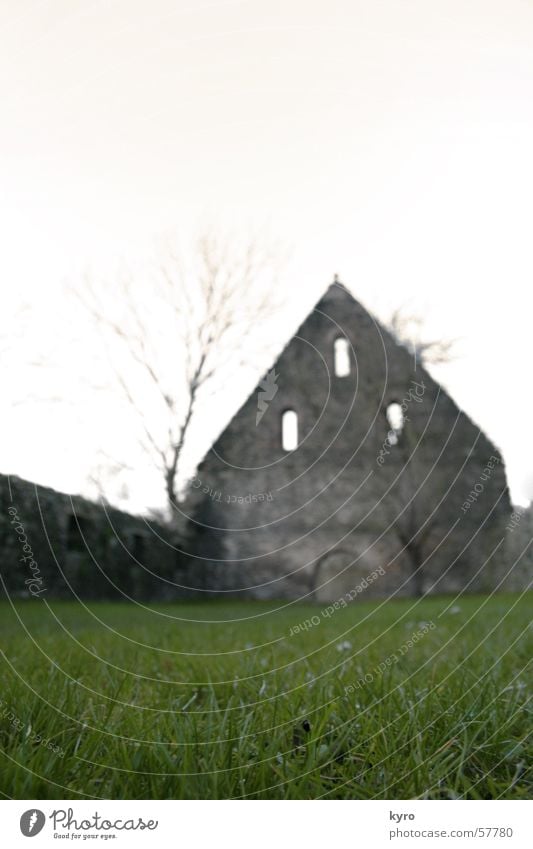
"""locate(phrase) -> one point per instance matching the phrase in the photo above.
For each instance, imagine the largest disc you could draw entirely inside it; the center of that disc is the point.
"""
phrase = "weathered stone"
(57, 545)
(316, 521)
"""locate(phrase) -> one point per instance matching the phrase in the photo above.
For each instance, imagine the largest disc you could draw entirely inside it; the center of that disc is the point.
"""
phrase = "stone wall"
(423, 508)
(520, 548)
(58, 546)
(313, 522)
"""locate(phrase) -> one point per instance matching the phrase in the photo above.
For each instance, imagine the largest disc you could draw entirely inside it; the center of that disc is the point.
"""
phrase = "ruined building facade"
(348, 473)
(349, 461)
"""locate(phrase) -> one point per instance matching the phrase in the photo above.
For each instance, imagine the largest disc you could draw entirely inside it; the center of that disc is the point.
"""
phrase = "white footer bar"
(267, 824)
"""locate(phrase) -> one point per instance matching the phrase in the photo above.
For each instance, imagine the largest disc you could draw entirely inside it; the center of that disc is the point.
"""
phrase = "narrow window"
(139, 546)
(341, 350)
(396, 422)
(78, 529)
(289, 430)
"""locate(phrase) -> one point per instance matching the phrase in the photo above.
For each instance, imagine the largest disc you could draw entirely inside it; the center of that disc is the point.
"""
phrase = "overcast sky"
(390, 142)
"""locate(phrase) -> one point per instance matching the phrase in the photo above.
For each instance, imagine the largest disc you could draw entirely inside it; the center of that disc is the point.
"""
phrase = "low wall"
(63, 546)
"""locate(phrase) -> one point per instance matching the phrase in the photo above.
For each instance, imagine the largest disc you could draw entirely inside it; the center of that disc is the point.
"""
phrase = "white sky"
(389, 141)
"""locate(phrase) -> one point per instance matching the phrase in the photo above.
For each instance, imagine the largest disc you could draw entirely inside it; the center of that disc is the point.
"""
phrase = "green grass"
(217, 700)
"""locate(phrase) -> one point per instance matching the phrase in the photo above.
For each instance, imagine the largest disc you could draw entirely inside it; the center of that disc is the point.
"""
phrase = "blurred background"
(389, 143)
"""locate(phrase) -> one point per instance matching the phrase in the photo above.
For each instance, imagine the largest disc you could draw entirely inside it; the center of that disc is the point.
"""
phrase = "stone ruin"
(349, 466)
(54, 545)
(348, 472)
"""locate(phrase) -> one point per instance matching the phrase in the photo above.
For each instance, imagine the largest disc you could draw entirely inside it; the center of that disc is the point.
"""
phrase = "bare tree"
(408, 330)
(174, 334)
(106, 480)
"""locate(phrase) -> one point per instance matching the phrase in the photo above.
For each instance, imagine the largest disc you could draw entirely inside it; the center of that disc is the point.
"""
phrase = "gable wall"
(333, 494)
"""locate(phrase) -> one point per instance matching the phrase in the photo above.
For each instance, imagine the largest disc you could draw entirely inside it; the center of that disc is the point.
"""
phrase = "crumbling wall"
(311, 522)
(57, 546)
(519, 548)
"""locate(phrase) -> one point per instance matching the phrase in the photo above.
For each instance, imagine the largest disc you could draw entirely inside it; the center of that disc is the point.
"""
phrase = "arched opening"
(396, 420)
(349, 573)
(289, 430)
(341, 355)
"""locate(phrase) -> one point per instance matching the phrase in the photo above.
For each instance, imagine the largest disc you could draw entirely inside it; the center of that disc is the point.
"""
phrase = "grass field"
(228, 699)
